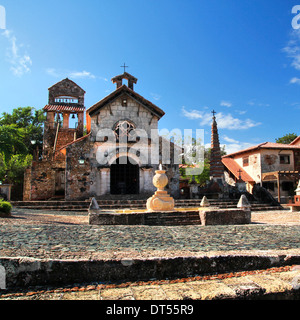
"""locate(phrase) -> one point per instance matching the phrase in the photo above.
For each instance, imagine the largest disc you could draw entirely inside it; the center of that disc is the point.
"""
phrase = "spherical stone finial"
(160, 180)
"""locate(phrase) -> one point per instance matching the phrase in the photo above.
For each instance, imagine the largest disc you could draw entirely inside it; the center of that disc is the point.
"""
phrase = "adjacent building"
(274, 166)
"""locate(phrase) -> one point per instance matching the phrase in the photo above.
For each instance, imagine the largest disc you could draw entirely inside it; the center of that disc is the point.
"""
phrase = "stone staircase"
(82, 206)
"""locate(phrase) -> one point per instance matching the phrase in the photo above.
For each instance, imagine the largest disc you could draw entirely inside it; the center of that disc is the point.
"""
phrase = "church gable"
(112, 113)
(124, 104)
(125, 93)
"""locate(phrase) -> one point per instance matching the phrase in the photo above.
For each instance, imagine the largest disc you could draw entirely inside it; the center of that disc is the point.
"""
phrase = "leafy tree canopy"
(29, 121)
(287, 139)
(16, 132)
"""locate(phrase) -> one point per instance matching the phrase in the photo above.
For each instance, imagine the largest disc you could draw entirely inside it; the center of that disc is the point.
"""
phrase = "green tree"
(16, 132)
(287, 139)
(30, 122)
(12, 141)
(12, 169)
(205, 175)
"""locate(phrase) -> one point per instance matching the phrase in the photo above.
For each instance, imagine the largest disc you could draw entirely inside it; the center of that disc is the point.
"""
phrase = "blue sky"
(240, 58)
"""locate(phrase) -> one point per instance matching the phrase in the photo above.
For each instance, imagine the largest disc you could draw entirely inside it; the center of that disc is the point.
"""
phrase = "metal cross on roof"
(240, 174)
(214, 112)
(124, 67)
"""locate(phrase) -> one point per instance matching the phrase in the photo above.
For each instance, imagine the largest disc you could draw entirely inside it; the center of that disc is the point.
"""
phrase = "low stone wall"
(225, 217)
(107, 219)
(202, 217)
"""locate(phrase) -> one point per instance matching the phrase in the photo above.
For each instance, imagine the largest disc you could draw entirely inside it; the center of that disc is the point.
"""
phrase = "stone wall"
(39, 183)
(78, 177)
(254, 167)
(66, 88)
(27, 185)
(114, 112)
(225, 217)
(270, 160)
(64, 137)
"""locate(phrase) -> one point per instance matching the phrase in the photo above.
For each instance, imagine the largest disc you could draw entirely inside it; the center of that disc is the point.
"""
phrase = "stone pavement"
(52, 236)
(64, 236)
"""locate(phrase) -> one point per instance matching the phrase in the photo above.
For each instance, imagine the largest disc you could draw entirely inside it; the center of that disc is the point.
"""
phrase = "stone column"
(51, 119)
(80, 124)
(142, 181)
(66, 117)
(148, 180)
(104, 181)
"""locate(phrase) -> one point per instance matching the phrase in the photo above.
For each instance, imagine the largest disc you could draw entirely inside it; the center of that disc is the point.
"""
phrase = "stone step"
(82, 206)
(107, 202)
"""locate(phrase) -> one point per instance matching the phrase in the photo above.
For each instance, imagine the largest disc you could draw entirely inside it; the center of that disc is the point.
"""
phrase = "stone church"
(115, 153)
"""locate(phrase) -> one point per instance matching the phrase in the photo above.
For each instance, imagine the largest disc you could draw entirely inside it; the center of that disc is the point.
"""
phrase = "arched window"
(124, 130)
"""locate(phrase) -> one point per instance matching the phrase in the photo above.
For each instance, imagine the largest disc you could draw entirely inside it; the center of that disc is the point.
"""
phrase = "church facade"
(116, 154)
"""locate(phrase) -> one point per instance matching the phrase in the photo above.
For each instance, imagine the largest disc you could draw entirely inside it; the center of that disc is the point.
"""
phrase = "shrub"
(5, 207)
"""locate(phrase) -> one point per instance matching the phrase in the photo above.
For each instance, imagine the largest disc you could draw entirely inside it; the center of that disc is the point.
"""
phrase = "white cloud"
(72, 74)
(193, 114)
(155, 96)
(293, 49)
(226, 104)
(295, 80)
(234, 147)
(230, 140)
(225, 121)
(52, 72)
(81, 74)
(20, 62)
(254, 102)
(241, 112)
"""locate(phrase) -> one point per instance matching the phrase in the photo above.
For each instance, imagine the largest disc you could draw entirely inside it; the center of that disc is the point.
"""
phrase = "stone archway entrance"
(124, 178)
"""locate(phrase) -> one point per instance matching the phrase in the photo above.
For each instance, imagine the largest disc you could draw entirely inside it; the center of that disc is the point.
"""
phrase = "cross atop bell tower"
(124, 67)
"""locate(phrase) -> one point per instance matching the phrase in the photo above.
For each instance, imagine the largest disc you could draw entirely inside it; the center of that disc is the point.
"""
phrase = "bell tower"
(119, 80)
(66, 100)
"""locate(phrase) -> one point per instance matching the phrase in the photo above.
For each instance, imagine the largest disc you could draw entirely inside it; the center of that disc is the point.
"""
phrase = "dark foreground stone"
(25, 272)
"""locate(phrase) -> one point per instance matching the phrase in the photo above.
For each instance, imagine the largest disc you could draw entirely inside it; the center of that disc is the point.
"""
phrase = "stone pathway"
(54, 236)
(63, 235)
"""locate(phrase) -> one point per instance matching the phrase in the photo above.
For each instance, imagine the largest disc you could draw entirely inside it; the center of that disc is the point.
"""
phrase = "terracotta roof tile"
(265, 145)
(234, 168)
(296, 141)
(64, 108)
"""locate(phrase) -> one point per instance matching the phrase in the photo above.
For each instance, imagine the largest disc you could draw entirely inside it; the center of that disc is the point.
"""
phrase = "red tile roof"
(234, 168)
(265, 145)
(64, 108)
(295, 142)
